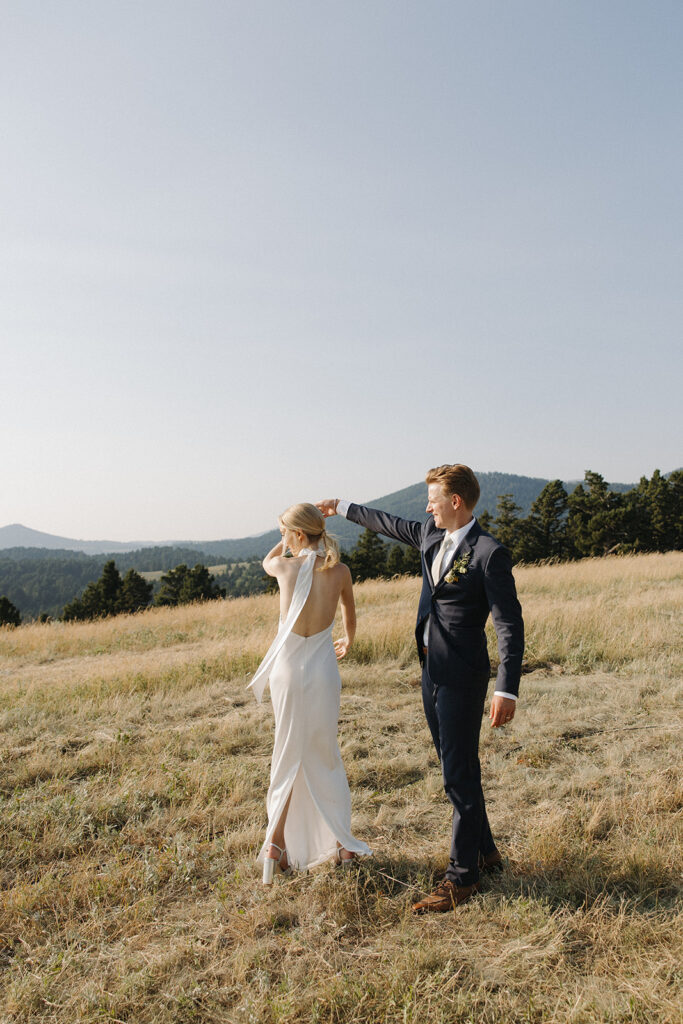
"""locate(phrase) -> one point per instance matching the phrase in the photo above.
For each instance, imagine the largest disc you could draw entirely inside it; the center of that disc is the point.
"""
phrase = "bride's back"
(321, 605)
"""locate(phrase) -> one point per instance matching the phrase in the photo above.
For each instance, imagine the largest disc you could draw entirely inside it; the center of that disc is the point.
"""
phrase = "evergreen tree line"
(372, 557)
(110, 595)
(43, 586)
(591, 520)
(152, 559)
(113, 594)
(243, 579)
(39, 583)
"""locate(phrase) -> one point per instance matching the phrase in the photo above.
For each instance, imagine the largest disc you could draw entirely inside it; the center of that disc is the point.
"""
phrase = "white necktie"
(439, 557)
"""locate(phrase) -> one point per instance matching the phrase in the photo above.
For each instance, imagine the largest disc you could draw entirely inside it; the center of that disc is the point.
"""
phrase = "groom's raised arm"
(408, 531)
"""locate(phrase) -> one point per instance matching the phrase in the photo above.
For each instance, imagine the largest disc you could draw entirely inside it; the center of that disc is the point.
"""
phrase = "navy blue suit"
(455, 671)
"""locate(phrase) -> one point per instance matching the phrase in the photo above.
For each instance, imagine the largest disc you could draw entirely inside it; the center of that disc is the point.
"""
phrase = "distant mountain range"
(18, 536)
(409, 502)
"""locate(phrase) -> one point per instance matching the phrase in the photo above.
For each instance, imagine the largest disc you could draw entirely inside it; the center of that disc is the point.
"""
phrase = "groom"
(466, 574)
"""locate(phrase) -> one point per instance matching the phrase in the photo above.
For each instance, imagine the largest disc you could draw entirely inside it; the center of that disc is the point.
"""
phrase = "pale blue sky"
(265, 252)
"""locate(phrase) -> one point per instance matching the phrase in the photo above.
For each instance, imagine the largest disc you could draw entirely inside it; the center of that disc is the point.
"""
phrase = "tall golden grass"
(133, 771)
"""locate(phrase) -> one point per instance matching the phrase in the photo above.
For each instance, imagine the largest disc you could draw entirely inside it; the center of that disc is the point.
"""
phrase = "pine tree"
(9, 615)
(544, 531)
(135, 593)
(100, 598)
(662, 513)
(654, 513)
(637, 517)
(676, 490)
(109, 587)
(394, 564)
(183, 585)
(485, 520)
(91, 603)
(171, 584)
(507, 524)
(199, 585)
(73, 611)
(369, 557)
(597, 520)
(412, 561)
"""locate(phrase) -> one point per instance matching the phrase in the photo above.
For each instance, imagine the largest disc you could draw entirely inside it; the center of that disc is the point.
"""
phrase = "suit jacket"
(457, 652)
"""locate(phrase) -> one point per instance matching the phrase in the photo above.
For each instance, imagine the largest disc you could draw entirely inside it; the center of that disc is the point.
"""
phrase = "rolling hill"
(40, 572)
(408, 502)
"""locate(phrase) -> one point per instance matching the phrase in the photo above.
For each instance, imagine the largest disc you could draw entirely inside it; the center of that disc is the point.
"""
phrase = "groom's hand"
(328, 507)
(502, 711)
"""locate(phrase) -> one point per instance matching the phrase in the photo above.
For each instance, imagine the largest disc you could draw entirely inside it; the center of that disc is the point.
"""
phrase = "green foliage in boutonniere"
(459, 568)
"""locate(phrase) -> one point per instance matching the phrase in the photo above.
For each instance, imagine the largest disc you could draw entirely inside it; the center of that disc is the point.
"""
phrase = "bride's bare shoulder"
(279, 565)
(340, 571)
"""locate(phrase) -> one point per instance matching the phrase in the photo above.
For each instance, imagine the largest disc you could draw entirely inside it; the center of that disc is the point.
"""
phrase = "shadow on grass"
(585, 884)
(582, 885)
(365, 881)
(384, 778)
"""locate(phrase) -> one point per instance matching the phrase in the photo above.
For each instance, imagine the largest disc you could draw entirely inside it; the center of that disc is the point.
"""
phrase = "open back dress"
(305, 687)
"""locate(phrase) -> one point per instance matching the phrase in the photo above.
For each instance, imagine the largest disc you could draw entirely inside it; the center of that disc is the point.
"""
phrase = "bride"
(308, 802)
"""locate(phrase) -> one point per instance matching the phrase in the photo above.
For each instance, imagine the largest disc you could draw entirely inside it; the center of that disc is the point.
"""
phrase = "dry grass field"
(133, 772)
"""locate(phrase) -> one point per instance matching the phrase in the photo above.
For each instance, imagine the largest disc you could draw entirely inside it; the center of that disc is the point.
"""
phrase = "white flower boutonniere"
(459, 568)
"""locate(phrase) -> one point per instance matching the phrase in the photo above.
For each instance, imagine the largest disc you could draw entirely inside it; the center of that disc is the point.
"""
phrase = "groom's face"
(442, 506)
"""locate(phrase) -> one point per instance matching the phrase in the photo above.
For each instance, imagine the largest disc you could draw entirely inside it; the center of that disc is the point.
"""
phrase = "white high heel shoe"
(344, 862)
(272, 866)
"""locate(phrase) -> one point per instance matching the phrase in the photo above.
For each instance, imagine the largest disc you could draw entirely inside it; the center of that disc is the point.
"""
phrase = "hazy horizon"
(257, 533)
(257, 254)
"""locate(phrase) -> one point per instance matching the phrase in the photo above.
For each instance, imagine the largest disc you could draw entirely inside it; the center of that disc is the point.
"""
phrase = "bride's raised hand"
(341, 647)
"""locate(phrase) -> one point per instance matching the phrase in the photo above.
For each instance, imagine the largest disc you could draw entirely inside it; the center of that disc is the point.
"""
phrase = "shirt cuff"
(502, 693)
(343, 507)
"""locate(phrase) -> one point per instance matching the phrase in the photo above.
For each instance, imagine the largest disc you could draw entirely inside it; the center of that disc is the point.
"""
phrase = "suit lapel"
(465, 547)
(470, 539)
(429, 553)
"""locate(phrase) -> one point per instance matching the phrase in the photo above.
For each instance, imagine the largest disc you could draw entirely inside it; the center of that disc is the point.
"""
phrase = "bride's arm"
(271, 561)
(348, 611)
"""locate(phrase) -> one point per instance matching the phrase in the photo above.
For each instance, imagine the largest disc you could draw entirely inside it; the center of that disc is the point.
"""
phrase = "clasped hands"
(328, 506)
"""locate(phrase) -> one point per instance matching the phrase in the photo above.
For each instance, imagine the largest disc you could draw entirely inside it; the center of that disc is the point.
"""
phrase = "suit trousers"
(454, 715)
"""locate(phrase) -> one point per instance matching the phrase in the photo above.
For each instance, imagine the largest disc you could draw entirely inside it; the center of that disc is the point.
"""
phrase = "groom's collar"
(458, 535)
(474, 532)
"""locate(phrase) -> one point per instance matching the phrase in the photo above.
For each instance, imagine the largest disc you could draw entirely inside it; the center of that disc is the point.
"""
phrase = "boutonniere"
(459, 568)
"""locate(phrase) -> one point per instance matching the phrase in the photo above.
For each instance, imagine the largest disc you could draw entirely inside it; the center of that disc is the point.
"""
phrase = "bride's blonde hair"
(311, 521)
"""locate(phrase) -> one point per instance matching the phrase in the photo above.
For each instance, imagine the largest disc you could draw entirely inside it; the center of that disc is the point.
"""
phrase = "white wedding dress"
(305, 688)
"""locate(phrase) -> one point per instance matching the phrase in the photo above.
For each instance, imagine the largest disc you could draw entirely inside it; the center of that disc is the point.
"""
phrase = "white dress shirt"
(456, 538)
(452, 542)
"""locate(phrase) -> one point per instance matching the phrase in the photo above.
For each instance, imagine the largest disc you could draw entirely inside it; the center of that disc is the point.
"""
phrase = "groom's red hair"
(456, 479)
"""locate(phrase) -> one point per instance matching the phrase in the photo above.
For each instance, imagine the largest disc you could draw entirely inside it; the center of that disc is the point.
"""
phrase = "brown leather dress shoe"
(490, 863)
(446, 896)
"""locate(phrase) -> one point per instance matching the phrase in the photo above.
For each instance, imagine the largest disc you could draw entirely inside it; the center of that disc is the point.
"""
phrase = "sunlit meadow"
(133, 771)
